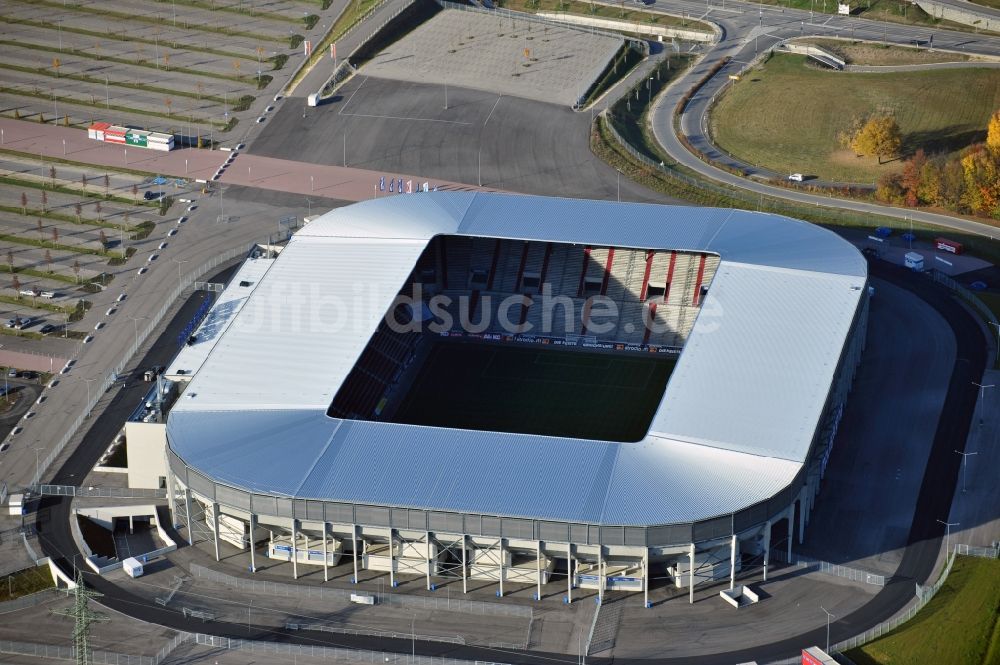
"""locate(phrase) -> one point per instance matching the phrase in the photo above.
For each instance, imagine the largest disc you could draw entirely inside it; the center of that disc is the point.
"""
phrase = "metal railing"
(111, 376)
(965, 294)
(95, 491)
(853, 574)
(327, 628)
(31, 600)
(344, 595)
(69, 653)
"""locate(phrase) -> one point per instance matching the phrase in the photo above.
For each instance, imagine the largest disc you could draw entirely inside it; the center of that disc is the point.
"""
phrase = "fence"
(327, 628)
(112, 375)
(966, 295)
(31, 600)
(102, 492)
(853, 574)
(344, 595)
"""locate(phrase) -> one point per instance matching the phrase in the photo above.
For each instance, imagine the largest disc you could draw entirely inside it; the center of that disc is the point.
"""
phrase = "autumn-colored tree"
(38, 223)
(48, 260)
(97, 208)
(911, 177)
(104, 239)
(107, 185)
(168, 103)
(879, 137)
(24, 203)
(135, 193)
(83, 182)
(10, 260)
(55, 65)
(76, 269)
(78, 209)
(45, 200)
(52, 175)
(889, 188)
(15, 284)
(981, 171)
(55, 235)
(993, 132)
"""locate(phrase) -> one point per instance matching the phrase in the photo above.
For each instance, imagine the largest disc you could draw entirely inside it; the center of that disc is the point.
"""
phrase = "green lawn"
(25, 582)
(549, 392)
(785, 115)
(958, 627)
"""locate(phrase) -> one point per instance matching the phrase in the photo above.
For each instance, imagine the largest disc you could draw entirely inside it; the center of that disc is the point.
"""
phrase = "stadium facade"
(282, 433)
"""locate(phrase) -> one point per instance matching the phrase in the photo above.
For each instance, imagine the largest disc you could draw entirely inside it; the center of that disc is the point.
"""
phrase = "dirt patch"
(873, 55)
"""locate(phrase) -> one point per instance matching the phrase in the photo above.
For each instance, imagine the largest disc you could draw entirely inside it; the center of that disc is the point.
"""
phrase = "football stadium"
(528, 390)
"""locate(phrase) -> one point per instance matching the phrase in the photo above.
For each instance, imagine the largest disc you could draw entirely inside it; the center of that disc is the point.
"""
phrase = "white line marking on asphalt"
(493, 109)
(352, 96)
(397, 117)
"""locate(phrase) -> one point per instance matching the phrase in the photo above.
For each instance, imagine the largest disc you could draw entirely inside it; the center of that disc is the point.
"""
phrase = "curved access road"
(749, 30)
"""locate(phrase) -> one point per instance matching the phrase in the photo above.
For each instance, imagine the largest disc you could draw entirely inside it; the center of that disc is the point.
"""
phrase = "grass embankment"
(355, 11)
(620, 12)
(25, 582)
(877, 55)
(786, 115)
(890, 11)
(960, 626)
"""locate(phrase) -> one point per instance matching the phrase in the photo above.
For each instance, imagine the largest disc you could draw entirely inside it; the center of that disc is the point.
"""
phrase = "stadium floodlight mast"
(965, 465)
(982, 395)
(829, 616)
(947, 535)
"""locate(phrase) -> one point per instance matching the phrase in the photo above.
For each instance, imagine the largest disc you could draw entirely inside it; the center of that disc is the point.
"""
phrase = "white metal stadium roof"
(733, 428)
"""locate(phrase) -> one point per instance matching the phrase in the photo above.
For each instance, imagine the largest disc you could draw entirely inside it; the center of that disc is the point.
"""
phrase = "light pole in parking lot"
(38, 467)
(828, 617)
(965, 464)
(947, 536)
(89, 405)
(179, 262)
(135, 327)
(982, 396)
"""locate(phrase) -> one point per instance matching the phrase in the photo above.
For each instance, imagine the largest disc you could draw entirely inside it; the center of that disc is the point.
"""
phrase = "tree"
(55, 235)
(83, 182)
(78, 209)
(76, 270)
(10, 260)
(107, 185)
(48, 260)
(890, 188)
(52, 175)
(993, 132)
(55, 65)
(15, 284)
(38, 222)
(104, 239)
(45, 200)
(97, 207)
(911, 177)
(135, 193)
(24, 203)
(168, 103)
(981, 171)
(878, 137)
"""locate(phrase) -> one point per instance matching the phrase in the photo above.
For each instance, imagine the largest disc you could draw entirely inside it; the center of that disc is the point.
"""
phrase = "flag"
(400, 188)
(409, 186)
(333, 51)
(307, 46)
(392, 183)
(381, 184)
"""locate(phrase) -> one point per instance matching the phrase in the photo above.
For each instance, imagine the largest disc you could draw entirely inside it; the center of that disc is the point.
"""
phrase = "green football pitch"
(553, 392)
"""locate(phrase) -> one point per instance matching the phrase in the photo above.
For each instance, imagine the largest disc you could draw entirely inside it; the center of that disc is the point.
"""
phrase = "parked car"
(22, 324)
(46, 329)
(151, 196)
(797, 177)
(12, 373)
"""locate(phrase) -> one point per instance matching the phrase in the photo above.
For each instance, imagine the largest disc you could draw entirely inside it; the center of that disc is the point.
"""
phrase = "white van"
(797, 177)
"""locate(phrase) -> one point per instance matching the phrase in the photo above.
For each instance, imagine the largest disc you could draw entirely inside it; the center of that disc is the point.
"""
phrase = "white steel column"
(802, 516)
(253, 529)
(500, 592)
(569, 573)
(791, 531)
(465, 588)
(326, 556)
(767, 546)
(691, 576)
(215, 522)
(295, 551)
(538, 568)
(428, 550)
(600, 573)
(187, 507)
(645, 577)
(354, 546)
(171, 496)
(732, 563)
(392, 560)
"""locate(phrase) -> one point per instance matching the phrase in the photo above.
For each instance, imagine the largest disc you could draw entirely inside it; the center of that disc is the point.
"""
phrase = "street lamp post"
(965, 464)
(982, 396)
(38, 468)
(135, 326)
(828, 617)
(88, 382)
(179, 262)
(947, 536)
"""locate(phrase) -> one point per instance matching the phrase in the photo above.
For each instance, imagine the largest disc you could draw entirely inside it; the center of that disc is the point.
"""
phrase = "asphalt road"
(751, 29)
